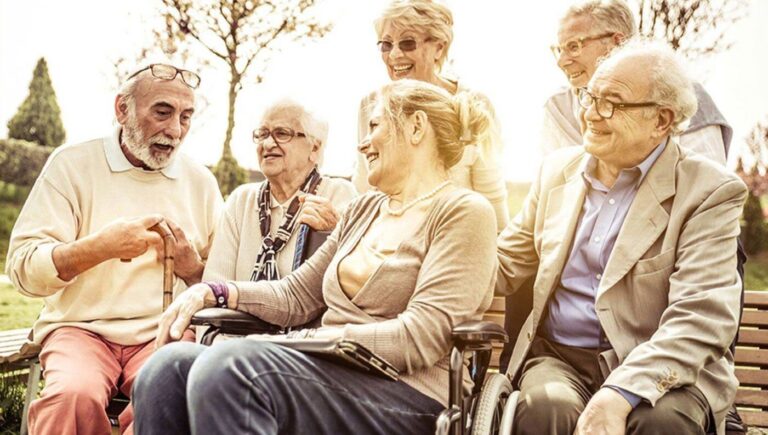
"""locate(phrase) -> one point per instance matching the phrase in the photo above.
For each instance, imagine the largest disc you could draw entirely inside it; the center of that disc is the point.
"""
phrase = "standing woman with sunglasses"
(414, 38)
(256, 236)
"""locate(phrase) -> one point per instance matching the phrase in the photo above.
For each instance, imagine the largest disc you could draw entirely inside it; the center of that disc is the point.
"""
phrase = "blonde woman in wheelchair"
(404, 266)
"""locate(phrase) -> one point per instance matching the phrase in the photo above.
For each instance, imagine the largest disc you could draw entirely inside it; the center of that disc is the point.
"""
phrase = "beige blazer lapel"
(564, 204)
(646, 218)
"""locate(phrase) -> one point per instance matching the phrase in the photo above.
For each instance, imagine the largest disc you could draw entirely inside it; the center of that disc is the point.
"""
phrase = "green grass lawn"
(16, 310)
(756, 272)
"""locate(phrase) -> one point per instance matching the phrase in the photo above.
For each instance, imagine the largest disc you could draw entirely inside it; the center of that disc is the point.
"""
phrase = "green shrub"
(21, 161)
(229, 174)
(39, 116)
(12, 391)
(754, 234)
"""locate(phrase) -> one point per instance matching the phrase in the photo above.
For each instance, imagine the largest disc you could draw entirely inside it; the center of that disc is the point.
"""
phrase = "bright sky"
(500, 48)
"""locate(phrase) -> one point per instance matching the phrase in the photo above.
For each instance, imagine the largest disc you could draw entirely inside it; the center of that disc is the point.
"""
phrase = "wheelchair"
(478, 412)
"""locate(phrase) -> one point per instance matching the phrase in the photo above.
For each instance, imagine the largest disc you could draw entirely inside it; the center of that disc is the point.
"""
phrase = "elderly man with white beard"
(91, 207)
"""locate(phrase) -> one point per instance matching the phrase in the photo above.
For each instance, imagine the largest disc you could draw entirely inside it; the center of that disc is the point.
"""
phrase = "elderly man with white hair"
(589, 30)
(632, 239)
(91, 207)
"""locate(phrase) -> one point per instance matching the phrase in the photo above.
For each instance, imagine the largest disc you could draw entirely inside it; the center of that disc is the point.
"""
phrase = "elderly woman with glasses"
(414, 38)
(256, 236)
(404, 265)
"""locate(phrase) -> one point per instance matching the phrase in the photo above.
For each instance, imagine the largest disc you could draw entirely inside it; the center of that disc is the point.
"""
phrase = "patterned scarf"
(266, 262)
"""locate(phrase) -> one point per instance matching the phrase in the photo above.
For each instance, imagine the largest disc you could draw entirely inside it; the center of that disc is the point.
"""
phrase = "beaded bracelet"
(220, 292)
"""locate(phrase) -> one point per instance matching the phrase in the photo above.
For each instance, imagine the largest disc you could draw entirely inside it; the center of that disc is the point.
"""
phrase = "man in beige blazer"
(633, 244)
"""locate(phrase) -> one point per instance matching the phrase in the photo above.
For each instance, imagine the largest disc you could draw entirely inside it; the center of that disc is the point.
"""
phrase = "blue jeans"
(244, 386)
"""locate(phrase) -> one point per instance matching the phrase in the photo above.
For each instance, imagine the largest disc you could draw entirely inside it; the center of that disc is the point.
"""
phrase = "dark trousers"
(245, 386)
(557, 382)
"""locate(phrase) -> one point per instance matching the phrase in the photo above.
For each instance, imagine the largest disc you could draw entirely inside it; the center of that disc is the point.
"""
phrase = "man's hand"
(124, 239)
(187, 263)
(318, 213)
(130, 238)
(175, 320)
(605, 414)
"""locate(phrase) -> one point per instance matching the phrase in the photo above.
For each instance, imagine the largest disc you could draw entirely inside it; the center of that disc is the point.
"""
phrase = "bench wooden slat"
(14, 334)
(756, 299)
(497, 305)
(754, 418)
(752, 398)
(753, 337)
(752, 357)
(755, 318)
(495, 318)
(752, 378)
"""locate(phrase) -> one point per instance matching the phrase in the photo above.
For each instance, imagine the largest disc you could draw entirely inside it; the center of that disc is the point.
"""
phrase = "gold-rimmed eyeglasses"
(606, 108)
(169, 72)
(574, 46)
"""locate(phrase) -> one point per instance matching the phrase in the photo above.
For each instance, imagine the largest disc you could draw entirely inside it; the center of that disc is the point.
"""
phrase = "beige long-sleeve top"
(441, 276)
(238, 235)
(475, 171)
(82, 188)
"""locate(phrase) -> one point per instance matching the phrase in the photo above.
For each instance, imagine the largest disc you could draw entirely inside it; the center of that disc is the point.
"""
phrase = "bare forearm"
(72, 259)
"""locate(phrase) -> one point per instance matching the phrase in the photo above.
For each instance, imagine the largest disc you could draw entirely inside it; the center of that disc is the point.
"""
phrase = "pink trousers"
(82, 373)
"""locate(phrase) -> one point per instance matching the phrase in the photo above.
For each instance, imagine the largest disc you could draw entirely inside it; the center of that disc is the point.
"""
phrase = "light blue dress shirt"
(571, 319)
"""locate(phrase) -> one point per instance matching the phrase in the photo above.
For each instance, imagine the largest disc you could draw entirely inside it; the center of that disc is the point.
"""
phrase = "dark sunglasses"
(404, 45)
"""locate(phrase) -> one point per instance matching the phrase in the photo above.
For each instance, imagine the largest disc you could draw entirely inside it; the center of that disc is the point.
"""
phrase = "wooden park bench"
(17, 353)
(752, 360)
(751, 356)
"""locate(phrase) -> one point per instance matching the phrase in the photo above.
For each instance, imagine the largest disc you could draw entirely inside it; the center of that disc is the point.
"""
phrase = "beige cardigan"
(441, 276)
(238, 233)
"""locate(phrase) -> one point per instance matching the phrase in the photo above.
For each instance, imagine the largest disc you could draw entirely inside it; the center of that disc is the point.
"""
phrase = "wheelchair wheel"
(490, 405)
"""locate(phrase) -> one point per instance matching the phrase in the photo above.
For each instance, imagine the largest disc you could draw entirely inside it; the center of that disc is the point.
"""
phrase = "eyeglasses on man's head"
(169, 72)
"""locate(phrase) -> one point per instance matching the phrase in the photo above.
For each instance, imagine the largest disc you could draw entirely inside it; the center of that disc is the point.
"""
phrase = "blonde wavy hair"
(457, 120)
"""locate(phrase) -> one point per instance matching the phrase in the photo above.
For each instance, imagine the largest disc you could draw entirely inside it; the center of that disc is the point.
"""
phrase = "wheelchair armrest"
(235, 322)
(478, 332)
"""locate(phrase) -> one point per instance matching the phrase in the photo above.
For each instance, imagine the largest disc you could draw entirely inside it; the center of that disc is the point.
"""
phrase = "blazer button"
(530, 336)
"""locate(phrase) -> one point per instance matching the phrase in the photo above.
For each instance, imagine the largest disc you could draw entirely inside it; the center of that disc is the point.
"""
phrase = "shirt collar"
(636, 173)
(119, 163)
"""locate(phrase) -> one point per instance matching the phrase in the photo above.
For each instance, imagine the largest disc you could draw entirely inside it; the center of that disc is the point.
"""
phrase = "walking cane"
(169, 247)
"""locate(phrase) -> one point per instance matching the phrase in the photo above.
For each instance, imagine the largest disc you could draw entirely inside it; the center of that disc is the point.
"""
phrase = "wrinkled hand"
(187, 263)
(318, 213)
(605, 414)
(130, 238)
(175, 320)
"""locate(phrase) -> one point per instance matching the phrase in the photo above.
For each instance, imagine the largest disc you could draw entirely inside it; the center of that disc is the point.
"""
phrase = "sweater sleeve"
(454, 285)
(222, 258)
(297, 298)
(48, 219)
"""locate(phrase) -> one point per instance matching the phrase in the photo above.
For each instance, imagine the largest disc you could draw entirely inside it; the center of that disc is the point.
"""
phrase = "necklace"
(411, 203)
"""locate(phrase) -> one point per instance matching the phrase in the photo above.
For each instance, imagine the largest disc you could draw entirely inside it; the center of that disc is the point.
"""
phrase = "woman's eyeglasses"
(405, 45)
(280, 135)
(169, 72)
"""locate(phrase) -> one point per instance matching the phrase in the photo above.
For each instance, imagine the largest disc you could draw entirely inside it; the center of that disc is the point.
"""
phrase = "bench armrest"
(235, 322)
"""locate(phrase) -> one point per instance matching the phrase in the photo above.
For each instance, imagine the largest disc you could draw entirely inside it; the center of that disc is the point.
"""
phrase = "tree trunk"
(234, 82)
